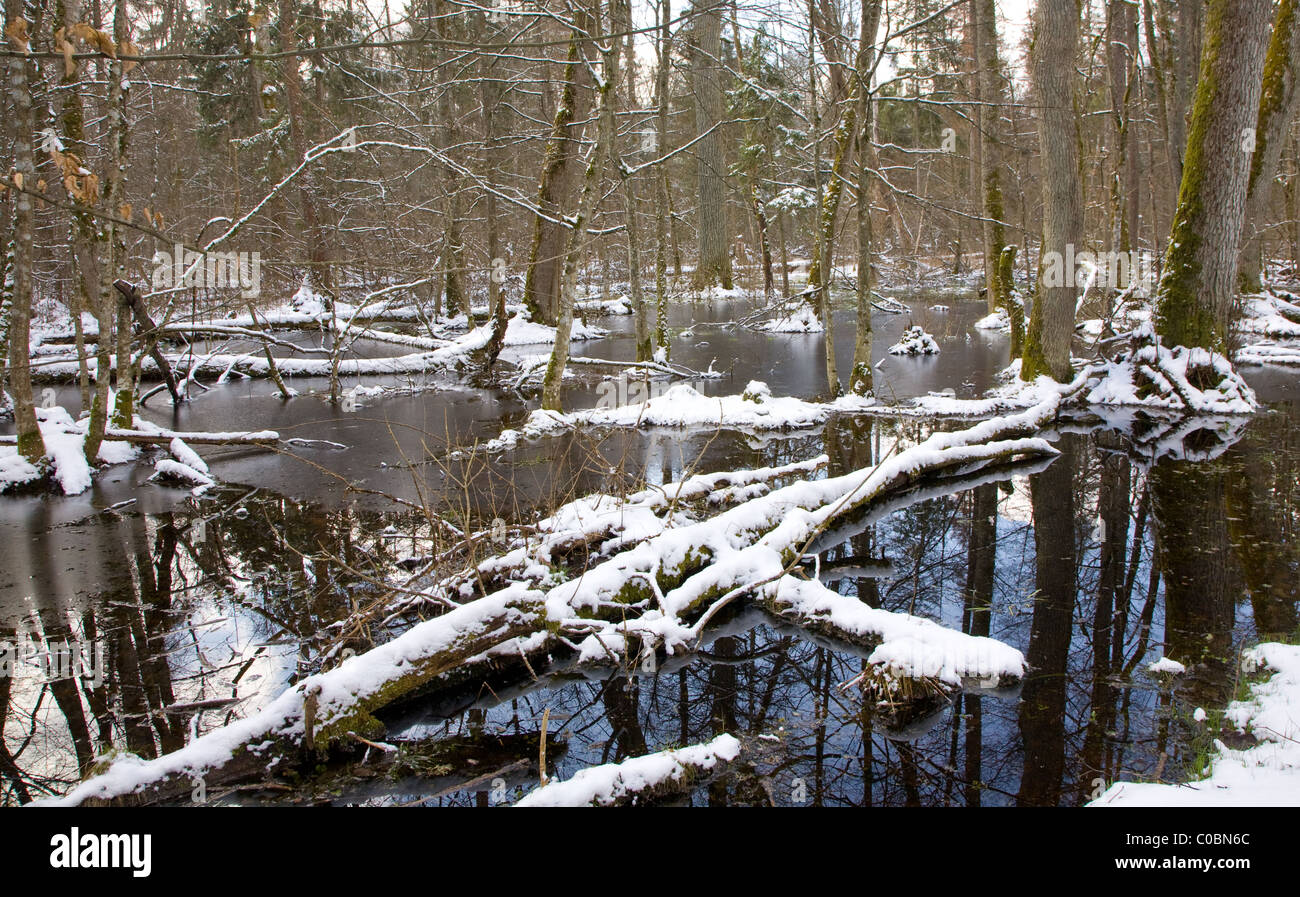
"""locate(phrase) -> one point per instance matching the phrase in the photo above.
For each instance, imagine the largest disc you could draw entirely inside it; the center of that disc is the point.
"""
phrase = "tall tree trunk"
(1278, 106)
(662, 208)
(860, 379)
(993, 99)
(713, 267)
(30, 443)
(641, 314)
(546, 257)
(1056, 37)
(1121, 69)
(605, 135)
(115, 249)
(453, 249)
(1195, 297)
(314, 235)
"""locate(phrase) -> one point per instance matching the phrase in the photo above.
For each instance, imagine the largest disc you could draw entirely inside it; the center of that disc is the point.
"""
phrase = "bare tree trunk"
(605, 135)
(545, 259)
(1121, 67)
(713, 267)
(115, 250)
(662, 208)
(314, 235)
(641, 314)
(1056, 37)
(1195, 298)
(860, 378)
(490, 93)
(993, 98)
(30, 443)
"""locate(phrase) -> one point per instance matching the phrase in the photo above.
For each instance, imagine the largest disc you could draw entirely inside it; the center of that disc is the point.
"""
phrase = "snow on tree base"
(1150, 374)
(915, 341)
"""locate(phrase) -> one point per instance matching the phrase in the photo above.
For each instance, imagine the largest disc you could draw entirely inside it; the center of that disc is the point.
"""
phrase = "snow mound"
(1165, 665)
(1267, 314)
(800, 320)
(619, 306)
(915, 341)
(681, 406)
(998, 321)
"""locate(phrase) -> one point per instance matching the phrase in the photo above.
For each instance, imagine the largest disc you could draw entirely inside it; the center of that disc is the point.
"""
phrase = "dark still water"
(1140, 541)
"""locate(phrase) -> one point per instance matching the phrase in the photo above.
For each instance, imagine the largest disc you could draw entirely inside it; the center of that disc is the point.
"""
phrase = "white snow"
(915, 341)
(1165, 372)
(801, 319)
(683, 406)
(997, 321)
(603, 785)
(1165, 665)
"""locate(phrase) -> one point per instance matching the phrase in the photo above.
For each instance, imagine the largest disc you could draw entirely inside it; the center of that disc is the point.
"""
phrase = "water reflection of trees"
(1129, 546)
(192, 624)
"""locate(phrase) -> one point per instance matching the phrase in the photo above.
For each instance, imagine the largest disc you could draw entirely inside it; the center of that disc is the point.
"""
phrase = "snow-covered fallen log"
(656, 592)
(639, 779)
(320, 709)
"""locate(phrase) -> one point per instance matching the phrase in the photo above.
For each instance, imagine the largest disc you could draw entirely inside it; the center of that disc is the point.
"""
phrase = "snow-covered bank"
(1267, 774)
(64, 454)
(66, 463)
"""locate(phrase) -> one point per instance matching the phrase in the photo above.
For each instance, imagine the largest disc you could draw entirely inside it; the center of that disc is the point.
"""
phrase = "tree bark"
(1056, 37)
(713, 267)
(1195, 298)
(30, 443)
(1278, 106)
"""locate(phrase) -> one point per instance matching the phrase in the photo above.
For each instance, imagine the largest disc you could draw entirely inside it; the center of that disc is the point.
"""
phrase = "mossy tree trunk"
(1198, 283)
(1279, 104)
(1055, 41)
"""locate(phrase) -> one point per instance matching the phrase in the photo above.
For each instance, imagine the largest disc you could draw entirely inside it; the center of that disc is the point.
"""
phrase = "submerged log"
(641, 779)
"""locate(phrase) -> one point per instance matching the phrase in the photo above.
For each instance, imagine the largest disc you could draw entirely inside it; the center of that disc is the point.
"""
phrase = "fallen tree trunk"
(656, 595)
